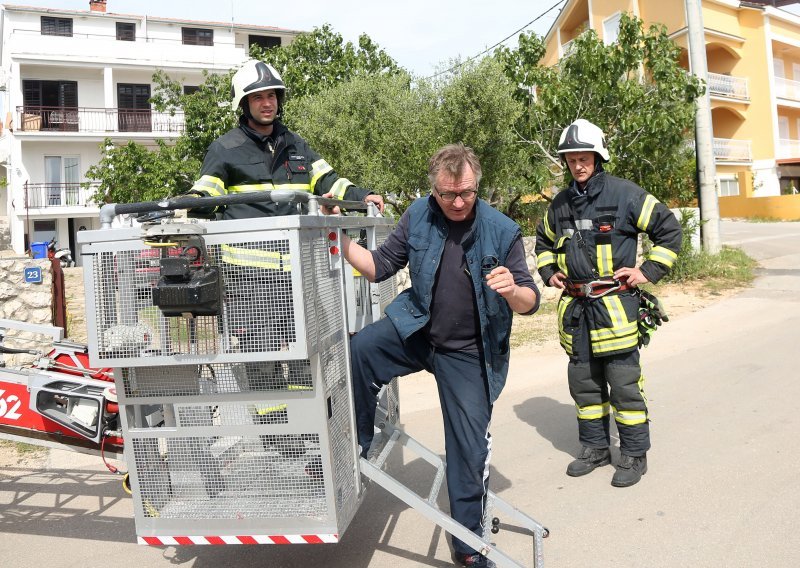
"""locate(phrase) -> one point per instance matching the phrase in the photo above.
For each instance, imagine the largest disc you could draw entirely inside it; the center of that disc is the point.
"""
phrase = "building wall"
(99, 62)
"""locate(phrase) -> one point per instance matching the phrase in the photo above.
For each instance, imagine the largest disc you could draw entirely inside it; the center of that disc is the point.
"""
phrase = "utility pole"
(706, 168)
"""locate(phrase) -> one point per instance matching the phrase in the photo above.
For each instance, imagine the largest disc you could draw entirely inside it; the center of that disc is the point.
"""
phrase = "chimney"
(97, 5)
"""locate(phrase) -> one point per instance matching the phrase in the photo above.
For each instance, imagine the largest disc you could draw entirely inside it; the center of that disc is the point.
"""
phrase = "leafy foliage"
(319, 60)
(381, 132)
(634, 90)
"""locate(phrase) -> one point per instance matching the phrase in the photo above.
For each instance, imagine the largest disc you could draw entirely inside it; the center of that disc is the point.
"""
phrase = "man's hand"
(327, 210)
(557, 280)
(376, 199)
(633, 276)
(520, 298)
(501, 281)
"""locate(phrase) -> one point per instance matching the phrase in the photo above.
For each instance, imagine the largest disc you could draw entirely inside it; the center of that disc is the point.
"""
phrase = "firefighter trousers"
(378, 355)
(604, 385)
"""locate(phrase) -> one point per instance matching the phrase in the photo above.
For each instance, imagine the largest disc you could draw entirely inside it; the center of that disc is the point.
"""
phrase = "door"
(134, 107)
(50, 105)
(62, 180)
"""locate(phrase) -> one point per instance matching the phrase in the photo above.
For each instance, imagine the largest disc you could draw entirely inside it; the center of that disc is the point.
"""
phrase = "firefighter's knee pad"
(627, 387)
(585, 390)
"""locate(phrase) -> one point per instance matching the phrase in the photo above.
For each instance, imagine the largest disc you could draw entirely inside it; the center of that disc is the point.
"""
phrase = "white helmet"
(256, 76)
(583, 136)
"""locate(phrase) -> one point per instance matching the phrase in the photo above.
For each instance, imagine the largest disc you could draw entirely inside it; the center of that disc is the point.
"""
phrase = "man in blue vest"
(468, 274)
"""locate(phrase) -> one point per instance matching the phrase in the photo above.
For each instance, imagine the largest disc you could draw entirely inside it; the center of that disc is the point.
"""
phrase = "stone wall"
(26, 302)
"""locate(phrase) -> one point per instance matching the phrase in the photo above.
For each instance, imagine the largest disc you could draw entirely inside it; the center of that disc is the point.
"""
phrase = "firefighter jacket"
(492, 235)
(241, 160)
(588, 235)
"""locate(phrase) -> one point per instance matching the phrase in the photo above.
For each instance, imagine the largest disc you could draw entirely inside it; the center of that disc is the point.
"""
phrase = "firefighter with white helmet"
(262, 154)
(586, 245)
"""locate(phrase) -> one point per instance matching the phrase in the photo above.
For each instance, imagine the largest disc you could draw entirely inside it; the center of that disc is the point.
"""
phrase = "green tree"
(319, 60)
(380, 131)
(634, 89)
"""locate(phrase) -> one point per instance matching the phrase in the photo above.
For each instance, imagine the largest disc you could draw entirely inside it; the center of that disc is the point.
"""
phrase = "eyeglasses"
(466, 195)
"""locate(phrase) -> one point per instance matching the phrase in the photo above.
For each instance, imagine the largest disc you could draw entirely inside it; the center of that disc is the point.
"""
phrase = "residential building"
(69, 79)
(753, 55)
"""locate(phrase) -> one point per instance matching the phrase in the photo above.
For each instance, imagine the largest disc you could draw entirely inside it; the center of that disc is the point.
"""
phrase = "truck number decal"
(5, 411)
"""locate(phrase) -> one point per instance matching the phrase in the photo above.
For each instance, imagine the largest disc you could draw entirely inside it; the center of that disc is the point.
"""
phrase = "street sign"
(33, 274)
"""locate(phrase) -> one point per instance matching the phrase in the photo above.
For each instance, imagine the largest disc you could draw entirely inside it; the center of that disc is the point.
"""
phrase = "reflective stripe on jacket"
(242, 161)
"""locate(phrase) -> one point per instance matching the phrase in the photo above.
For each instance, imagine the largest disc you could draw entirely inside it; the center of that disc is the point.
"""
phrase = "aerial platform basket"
(230, 347)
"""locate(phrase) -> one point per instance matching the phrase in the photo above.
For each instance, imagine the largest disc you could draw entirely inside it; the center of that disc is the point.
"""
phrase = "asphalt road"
(722, 489)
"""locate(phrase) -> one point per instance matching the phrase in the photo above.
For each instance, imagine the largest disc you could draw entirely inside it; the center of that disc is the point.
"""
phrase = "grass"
(24, 450)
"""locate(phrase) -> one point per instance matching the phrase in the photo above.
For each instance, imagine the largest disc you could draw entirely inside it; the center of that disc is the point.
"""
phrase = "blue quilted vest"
(492, 236)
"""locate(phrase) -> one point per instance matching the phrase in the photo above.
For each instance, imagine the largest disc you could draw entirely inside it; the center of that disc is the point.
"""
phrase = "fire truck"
(222, 377)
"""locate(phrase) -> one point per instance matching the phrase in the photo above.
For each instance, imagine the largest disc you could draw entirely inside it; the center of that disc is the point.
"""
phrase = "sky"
(423, 36)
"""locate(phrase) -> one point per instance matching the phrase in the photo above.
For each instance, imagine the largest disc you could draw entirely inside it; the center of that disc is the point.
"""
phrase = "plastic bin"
(39, 249)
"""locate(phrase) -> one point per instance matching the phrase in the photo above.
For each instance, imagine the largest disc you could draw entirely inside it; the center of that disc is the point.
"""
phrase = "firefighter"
(586, 246)
(262, 154)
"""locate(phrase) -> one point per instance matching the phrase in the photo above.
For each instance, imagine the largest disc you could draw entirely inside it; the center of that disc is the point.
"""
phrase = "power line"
(487, 50)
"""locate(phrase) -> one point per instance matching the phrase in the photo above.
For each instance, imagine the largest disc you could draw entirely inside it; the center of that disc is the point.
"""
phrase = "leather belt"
(595, 288)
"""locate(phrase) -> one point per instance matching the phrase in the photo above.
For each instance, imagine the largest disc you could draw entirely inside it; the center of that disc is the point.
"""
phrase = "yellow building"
(753, 54)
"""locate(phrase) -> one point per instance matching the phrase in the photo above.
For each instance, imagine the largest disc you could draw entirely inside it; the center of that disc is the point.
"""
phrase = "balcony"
(39, 195)
(788, 148)
(97, 120)
(787, 89)
(727, 150)
(728, 86)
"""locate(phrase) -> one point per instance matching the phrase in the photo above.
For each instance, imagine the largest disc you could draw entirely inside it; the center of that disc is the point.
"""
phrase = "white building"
(71, 78)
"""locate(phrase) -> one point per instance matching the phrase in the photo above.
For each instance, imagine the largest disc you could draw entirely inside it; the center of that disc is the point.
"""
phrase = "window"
(126, 31)
(134, 107)
(264, 42)
(197, 36)
(611, 29)
(190, 89)
(56, 26)
(728, 186)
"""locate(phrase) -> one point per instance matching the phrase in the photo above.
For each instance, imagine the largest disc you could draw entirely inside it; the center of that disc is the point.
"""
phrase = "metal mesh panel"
(339, 433)
(264, 477)
(324, 303)
(188, 380)
(257, 313)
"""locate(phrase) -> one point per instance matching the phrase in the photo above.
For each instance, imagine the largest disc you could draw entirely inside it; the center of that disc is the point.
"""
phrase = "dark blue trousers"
(378, 355)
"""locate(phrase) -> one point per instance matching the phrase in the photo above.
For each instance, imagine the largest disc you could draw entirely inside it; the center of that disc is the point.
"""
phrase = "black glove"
(651, 315)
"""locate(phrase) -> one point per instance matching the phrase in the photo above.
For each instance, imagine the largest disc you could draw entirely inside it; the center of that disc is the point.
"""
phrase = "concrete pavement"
(722, 489)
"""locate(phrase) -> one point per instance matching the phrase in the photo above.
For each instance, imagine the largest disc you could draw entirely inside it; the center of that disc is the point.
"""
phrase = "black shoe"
(630, 470)
(588, 460)
(474, 560)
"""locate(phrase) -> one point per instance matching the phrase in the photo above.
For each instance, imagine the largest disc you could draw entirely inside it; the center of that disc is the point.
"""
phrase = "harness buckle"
(610, 286)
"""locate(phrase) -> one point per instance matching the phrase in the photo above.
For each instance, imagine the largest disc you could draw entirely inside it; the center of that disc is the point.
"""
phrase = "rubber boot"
(588, 460)
(630, 470)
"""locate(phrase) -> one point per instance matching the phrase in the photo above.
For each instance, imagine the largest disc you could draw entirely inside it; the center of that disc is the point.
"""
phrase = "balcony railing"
(727, 150)
(38, 195)
(787, 89)
(103, 120)
(728, 86)
(788, 148)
